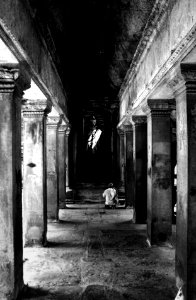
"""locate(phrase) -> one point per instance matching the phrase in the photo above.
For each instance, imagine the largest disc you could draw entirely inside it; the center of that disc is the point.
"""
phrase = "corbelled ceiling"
(92, 42)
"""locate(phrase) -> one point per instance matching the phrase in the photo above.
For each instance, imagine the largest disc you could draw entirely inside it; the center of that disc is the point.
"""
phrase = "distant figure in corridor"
(109, 194)
(93, 135)
(93, 151)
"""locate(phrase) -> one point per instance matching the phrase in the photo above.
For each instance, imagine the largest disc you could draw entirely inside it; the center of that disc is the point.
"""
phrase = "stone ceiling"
(92, 42)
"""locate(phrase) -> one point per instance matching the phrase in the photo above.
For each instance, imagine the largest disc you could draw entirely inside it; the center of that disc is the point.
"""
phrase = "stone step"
(89, 195)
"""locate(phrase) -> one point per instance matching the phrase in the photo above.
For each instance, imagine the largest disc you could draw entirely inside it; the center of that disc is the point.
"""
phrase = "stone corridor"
(93, 253)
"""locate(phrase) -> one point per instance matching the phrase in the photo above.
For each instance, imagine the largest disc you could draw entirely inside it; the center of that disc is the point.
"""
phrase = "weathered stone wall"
(176, 20)
(18, 30)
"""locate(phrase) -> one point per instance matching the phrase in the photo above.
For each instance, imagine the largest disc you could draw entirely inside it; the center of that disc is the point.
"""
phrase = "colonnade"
(152, 171)
(31, 184)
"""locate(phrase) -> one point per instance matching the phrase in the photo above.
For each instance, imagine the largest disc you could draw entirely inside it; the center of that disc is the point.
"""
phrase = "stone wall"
(169, 24)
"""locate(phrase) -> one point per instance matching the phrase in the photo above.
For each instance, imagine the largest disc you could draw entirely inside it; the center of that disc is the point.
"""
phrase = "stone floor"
(98, 254)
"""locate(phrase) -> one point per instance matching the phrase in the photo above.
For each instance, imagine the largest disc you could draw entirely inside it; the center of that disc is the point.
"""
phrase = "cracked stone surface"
(98, 254)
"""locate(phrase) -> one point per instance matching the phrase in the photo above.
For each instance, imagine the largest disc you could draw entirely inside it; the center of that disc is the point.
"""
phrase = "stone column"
(159, 183)
(129, 167)
(52, 168)
(61, 164)
(140, 166)
(67, 132)
(11, 247)
(186, 181)
(34, 180)
(115, 140)
(122, 161)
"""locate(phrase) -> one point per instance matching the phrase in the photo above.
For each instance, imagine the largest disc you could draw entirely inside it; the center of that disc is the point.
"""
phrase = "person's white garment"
(94, 137)
(109, 195)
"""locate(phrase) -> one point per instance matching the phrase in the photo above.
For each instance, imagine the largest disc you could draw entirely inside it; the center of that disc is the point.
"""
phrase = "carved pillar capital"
(67, 130)
(159, 107)
(177, 83)
(23, 83)
(53, 119)
(35, 108)
(139, 120)
(120, 131)
(128, 128)
(185, 78)
(8, 77)
(189, 74)
(62, 126)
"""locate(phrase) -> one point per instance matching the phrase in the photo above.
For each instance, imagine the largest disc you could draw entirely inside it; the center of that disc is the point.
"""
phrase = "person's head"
(93, 121)
(110, 185)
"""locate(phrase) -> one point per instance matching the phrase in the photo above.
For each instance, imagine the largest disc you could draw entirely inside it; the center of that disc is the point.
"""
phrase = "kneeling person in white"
(109, 195)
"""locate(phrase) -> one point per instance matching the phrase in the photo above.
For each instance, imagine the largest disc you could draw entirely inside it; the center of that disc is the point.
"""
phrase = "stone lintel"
(35, 108)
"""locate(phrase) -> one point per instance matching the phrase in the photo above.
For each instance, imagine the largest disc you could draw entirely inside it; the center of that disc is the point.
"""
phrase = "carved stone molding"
(154, 21)
(160, 104)
(8, 79)
(185, 46)
(35, 108)
(176, 82)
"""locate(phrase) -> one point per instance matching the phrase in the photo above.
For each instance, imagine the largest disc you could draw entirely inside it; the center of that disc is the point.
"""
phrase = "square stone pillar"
(140, 167)
(129, 167)
(52, 167)
(11, 246)
(34, 179)
(67, 132)
(122, 161)
(61, 164)
(186, 181)
(159, 182)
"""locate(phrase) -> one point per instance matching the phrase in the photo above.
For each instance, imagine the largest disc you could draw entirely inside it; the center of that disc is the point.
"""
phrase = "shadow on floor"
(30, 292)
(105, 259)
